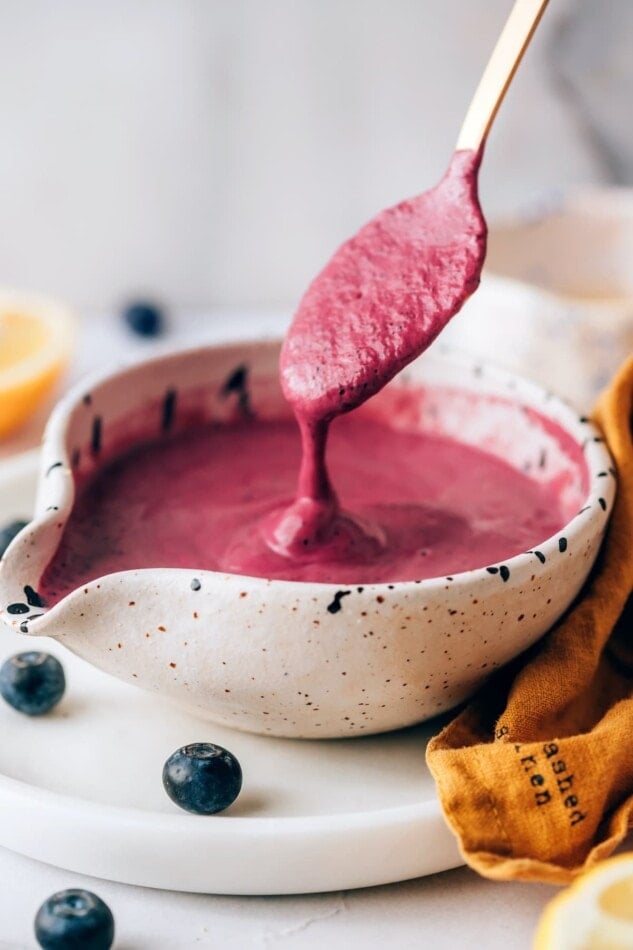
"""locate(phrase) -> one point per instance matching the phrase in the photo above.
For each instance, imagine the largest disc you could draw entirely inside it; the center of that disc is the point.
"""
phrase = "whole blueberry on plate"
(144, 318)
(8, 533)
(202, 778)
(74, 920)
(33, 682)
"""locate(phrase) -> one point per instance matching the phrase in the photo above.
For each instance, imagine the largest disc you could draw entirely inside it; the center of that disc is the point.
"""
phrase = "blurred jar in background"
(556, 301)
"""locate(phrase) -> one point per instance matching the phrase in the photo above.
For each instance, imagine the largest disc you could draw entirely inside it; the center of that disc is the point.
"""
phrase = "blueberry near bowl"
(8, 532)
(74, 919)
(144, 318)
(32, 682)
(203, 778)
(298, 658)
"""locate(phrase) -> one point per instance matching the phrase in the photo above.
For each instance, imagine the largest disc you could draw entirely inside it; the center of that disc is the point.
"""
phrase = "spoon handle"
(502, 65)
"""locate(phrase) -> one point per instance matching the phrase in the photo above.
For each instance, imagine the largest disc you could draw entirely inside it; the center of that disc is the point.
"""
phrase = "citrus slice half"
(35, 344)
(595, 913)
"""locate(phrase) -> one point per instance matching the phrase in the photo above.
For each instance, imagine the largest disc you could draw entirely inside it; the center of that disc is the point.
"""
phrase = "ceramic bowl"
(305, 659)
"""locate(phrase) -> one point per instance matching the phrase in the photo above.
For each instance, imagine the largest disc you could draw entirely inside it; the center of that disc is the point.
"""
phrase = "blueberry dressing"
(220, 497)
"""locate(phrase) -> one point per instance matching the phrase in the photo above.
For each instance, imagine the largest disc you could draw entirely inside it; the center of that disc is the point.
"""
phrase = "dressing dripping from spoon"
(380, 302)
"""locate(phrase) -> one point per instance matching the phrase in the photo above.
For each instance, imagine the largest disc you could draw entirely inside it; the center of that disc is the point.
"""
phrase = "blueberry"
(144, 318)
(74, 920)
(202, 778)
(32, 682)
(8, 533)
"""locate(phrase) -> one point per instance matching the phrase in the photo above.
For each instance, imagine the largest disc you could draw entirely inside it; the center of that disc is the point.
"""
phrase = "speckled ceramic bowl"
(302, 659)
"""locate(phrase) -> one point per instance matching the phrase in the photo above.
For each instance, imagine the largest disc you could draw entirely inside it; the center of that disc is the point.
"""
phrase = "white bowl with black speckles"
(381, 656)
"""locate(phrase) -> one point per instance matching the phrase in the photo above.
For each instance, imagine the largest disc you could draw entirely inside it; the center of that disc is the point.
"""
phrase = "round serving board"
(81, 788)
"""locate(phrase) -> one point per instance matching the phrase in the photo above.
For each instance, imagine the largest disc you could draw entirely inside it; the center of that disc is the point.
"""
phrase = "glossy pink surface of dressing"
(430, 506)
(379, 302)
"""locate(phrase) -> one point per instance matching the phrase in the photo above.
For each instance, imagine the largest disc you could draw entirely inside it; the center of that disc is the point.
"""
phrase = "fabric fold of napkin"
(535, 776)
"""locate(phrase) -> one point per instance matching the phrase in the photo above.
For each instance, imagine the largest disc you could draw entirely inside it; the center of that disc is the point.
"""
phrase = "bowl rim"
(597, 504)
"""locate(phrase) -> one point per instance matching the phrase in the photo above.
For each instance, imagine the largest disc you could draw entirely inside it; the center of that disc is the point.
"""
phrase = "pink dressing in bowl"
(202, 498)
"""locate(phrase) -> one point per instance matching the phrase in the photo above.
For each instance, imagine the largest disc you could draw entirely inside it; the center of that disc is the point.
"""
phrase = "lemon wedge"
(35, 344)
(595, 913)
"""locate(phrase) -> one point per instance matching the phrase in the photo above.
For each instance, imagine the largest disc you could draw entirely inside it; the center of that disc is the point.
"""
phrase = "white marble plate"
(81, 789)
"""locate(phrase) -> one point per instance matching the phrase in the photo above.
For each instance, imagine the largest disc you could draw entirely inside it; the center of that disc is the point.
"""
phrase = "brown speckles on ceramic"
(300, 659)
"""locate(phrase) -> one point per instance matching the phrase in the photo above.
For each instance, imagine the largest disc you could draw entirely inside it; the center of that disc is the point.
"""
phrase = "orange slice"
(595, 913)
(35, 345)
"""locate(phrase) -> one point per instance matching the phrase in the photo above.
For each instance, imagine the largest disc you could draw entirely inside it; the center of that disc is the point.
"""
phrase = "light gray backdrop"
(214, 152)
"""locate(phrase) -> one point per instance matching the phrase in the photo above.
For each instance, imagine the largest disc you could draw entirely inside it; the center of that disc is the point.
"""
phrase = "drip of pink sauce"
(198, 501)
(379, 302)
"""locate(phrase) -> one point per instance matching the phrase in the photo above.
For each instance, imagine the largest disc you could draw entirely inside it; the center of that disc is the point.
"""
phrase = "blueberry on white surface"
(74, 920)
(8, 533)
(144, 318)
(202, 778)
(33, 682)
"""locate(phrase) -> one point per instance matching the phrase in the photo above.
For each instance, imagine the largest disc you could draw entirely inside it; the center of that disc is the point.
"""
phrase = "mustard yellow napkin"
(535, 776)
